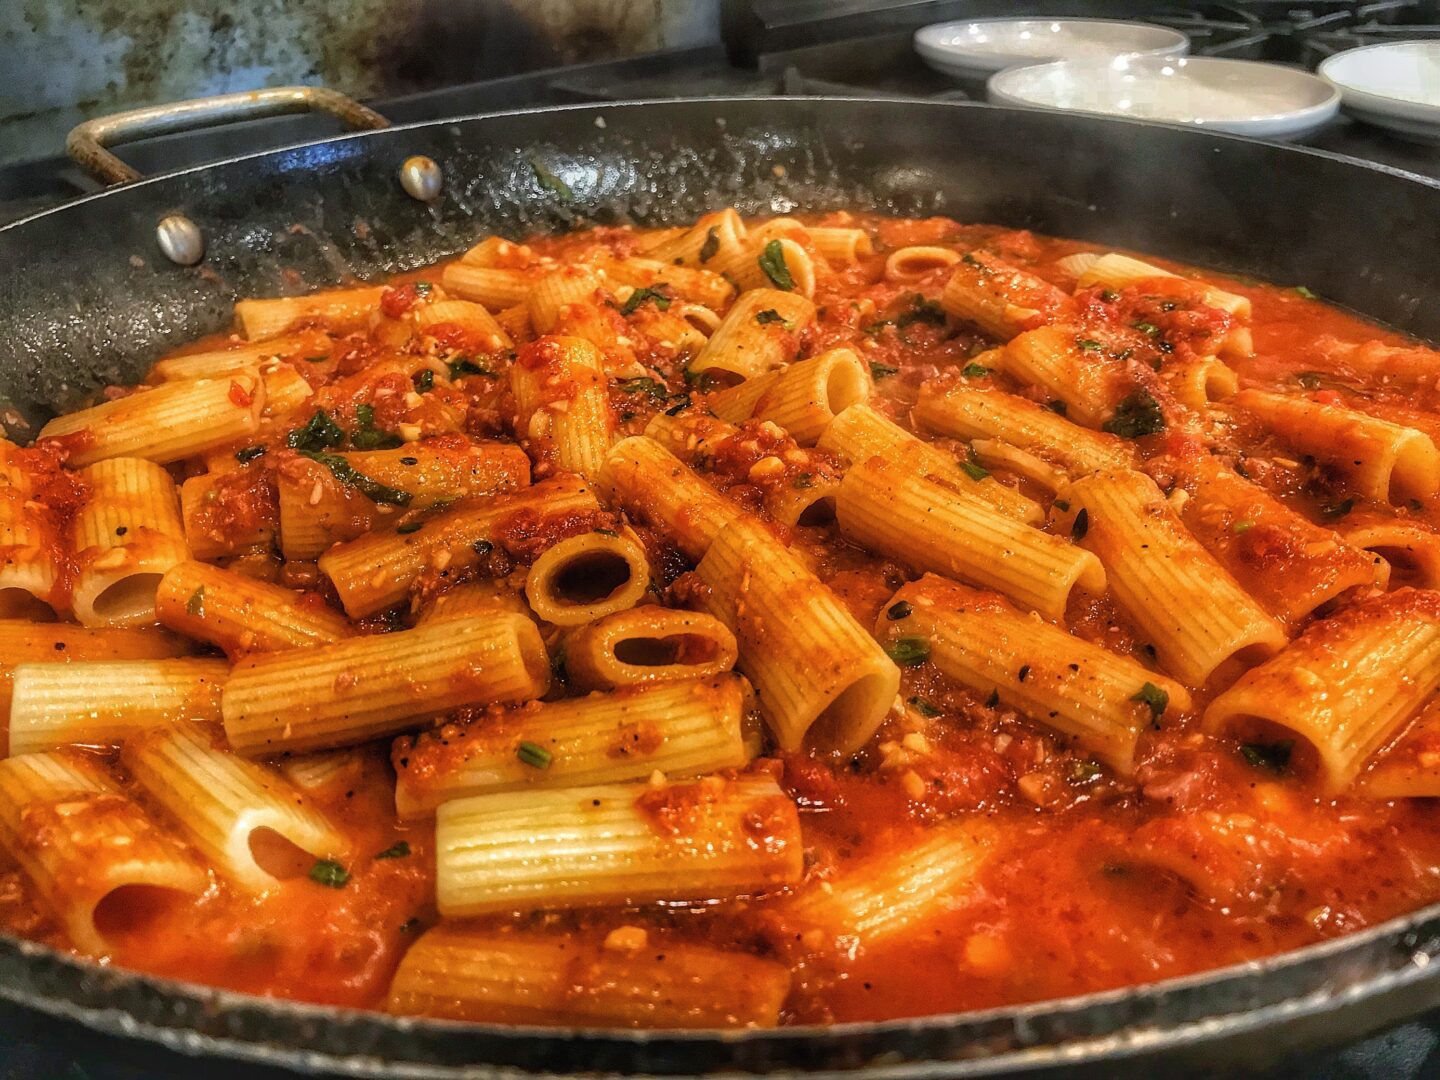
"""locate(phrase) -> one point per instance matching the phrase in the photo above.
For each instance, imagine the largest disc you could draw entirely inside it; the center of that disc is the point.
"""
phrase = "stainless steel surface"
(88, 144)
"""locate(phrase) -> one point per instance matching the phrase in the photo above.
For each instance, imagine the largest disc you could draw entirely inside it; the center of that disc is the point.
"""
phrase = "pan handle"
(87, 143)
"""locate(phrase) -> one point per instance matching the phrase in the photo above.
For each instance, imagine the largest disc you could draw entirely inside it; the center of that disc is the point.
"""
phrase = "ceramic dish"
(1395, 86)
(975, 48)
(1239, 96)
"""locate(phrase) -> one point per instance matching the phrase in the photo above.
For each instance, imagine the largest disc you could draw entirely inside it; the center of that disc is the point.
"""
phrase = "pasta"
(737, 623)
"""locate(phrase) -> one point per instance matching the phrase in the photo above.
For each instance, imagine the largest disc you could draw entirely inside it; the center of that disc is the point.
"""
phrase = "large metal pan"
(87, 296)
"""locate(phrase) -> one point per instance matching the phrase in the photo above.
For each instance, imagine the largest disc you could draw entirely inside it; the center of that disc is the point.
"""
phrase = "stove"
(786, 47)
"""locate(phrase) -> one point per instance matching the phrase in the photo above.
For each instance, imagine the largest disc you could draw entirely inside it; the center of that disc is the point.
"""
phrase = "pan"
(92, 292)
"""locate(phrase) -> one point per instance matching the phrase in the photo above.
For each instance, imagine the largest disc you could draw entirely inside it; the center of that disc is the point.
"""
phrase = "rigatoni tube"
(647, 644)
(678, 728)
(241, 614)
(759, 333)
(338, 309)
(465, 973)
(615, 844)
(586, 576)
(1192, 610)
(86, 846)
(657, 488)
(563, 403)
(999, 298)
(1345, 686)
(821, 679)
(803, 398)
(892, 509)
(363, 688)
(1092, 696)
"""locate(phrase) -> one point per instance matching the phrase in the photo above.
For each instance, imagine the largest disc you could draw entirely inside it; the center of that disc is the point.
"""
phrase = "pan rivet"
(180, 240)
(421, 178)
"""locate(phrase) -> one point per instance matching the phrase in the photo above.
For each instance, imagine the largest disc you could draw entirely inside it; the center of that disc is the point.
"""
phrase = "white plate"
(975, 48)
(1394, 86)
(1246, 98)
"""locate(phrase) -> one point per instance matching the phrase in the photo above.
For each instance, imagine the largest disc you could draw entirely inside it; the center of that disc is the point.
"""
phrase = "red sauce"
(1199, 859)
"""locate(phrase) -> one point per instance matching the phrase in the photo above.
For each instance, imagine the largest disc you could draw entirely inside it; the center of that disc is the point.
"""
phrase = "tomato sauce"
(1202, 858)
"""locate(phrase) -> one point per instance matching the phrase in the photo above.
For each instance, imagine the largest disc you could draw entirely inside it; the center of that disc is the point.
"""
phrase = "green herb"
(993, 701)
(1024, 672)
(1148, 328)
(1150, 694)
(367, 436)
(1137, 416)
(1310, 380)
(1083, 771)
(409, 461)
(459, 368)
(1242, 526)
(901, 609)
(922, 311)
(409, 527)
(969, 259)
(769, 315)
(319, 433)
(659, 295)
(550, 182)
(196, 604)
(249, 454)
(1335, 511)
(704, 381)
(975, 371)
(1272, 756)
(676, 410)
(482, 547)
(909, 651)
(645, 385)
(424, 381)
(329, 873)
(772, 261)
(398, 850)
(606, 532)
(1089, 345)
(534, 755)
(316, 359)
(1058, 407)
(1080, 526)
(711, 244)
(923, 707)
(804, 480)
(974, 471)
(880, 371)
(1062, 504)
(1301, 290)
(350, 476)
(1109, 295)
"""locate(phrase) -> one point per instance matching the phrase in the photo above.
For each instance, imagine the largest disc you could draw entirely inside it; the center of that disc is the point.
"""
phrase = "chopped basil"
(1150, 694)
(993, 701)
(1242, 526)
(329, 873)
(1310, 380)
(704, 381)
(606, 532)
(249, 454)
(659, 295)
(1301, 290)
(975, 371)
(1147, 328)
(923, 707)
(974, 471)
(367, 436)
(1088, 345)
(769, 315)
(423, 288)
(1083, 771)
(319, 433)
(196, 604)
(908, 651)
(1335, 511)
(647, 386)
(409, 527)
(676, 410)
(1109, 295)
(804, 480)
(424, 381)
(1272, 756)
(923, 311)
(350, 476)
(772, 261)
(550, 182)
(901, 609)
(1057, 406)
(482, 547)
(969, 259)
(459, 368)
(534, 755)
(880, 371)
(316, 359)
(409, 461)
(1024, 672)
(398, 850)
(711, 245)
(1137, 416)
(1080, 526)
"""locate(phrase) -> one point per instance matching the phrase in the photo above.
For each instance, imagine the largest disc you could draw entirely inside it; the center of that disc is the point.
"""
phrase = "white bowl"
(1239, 96)
(975, 48)
(1393, 86)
